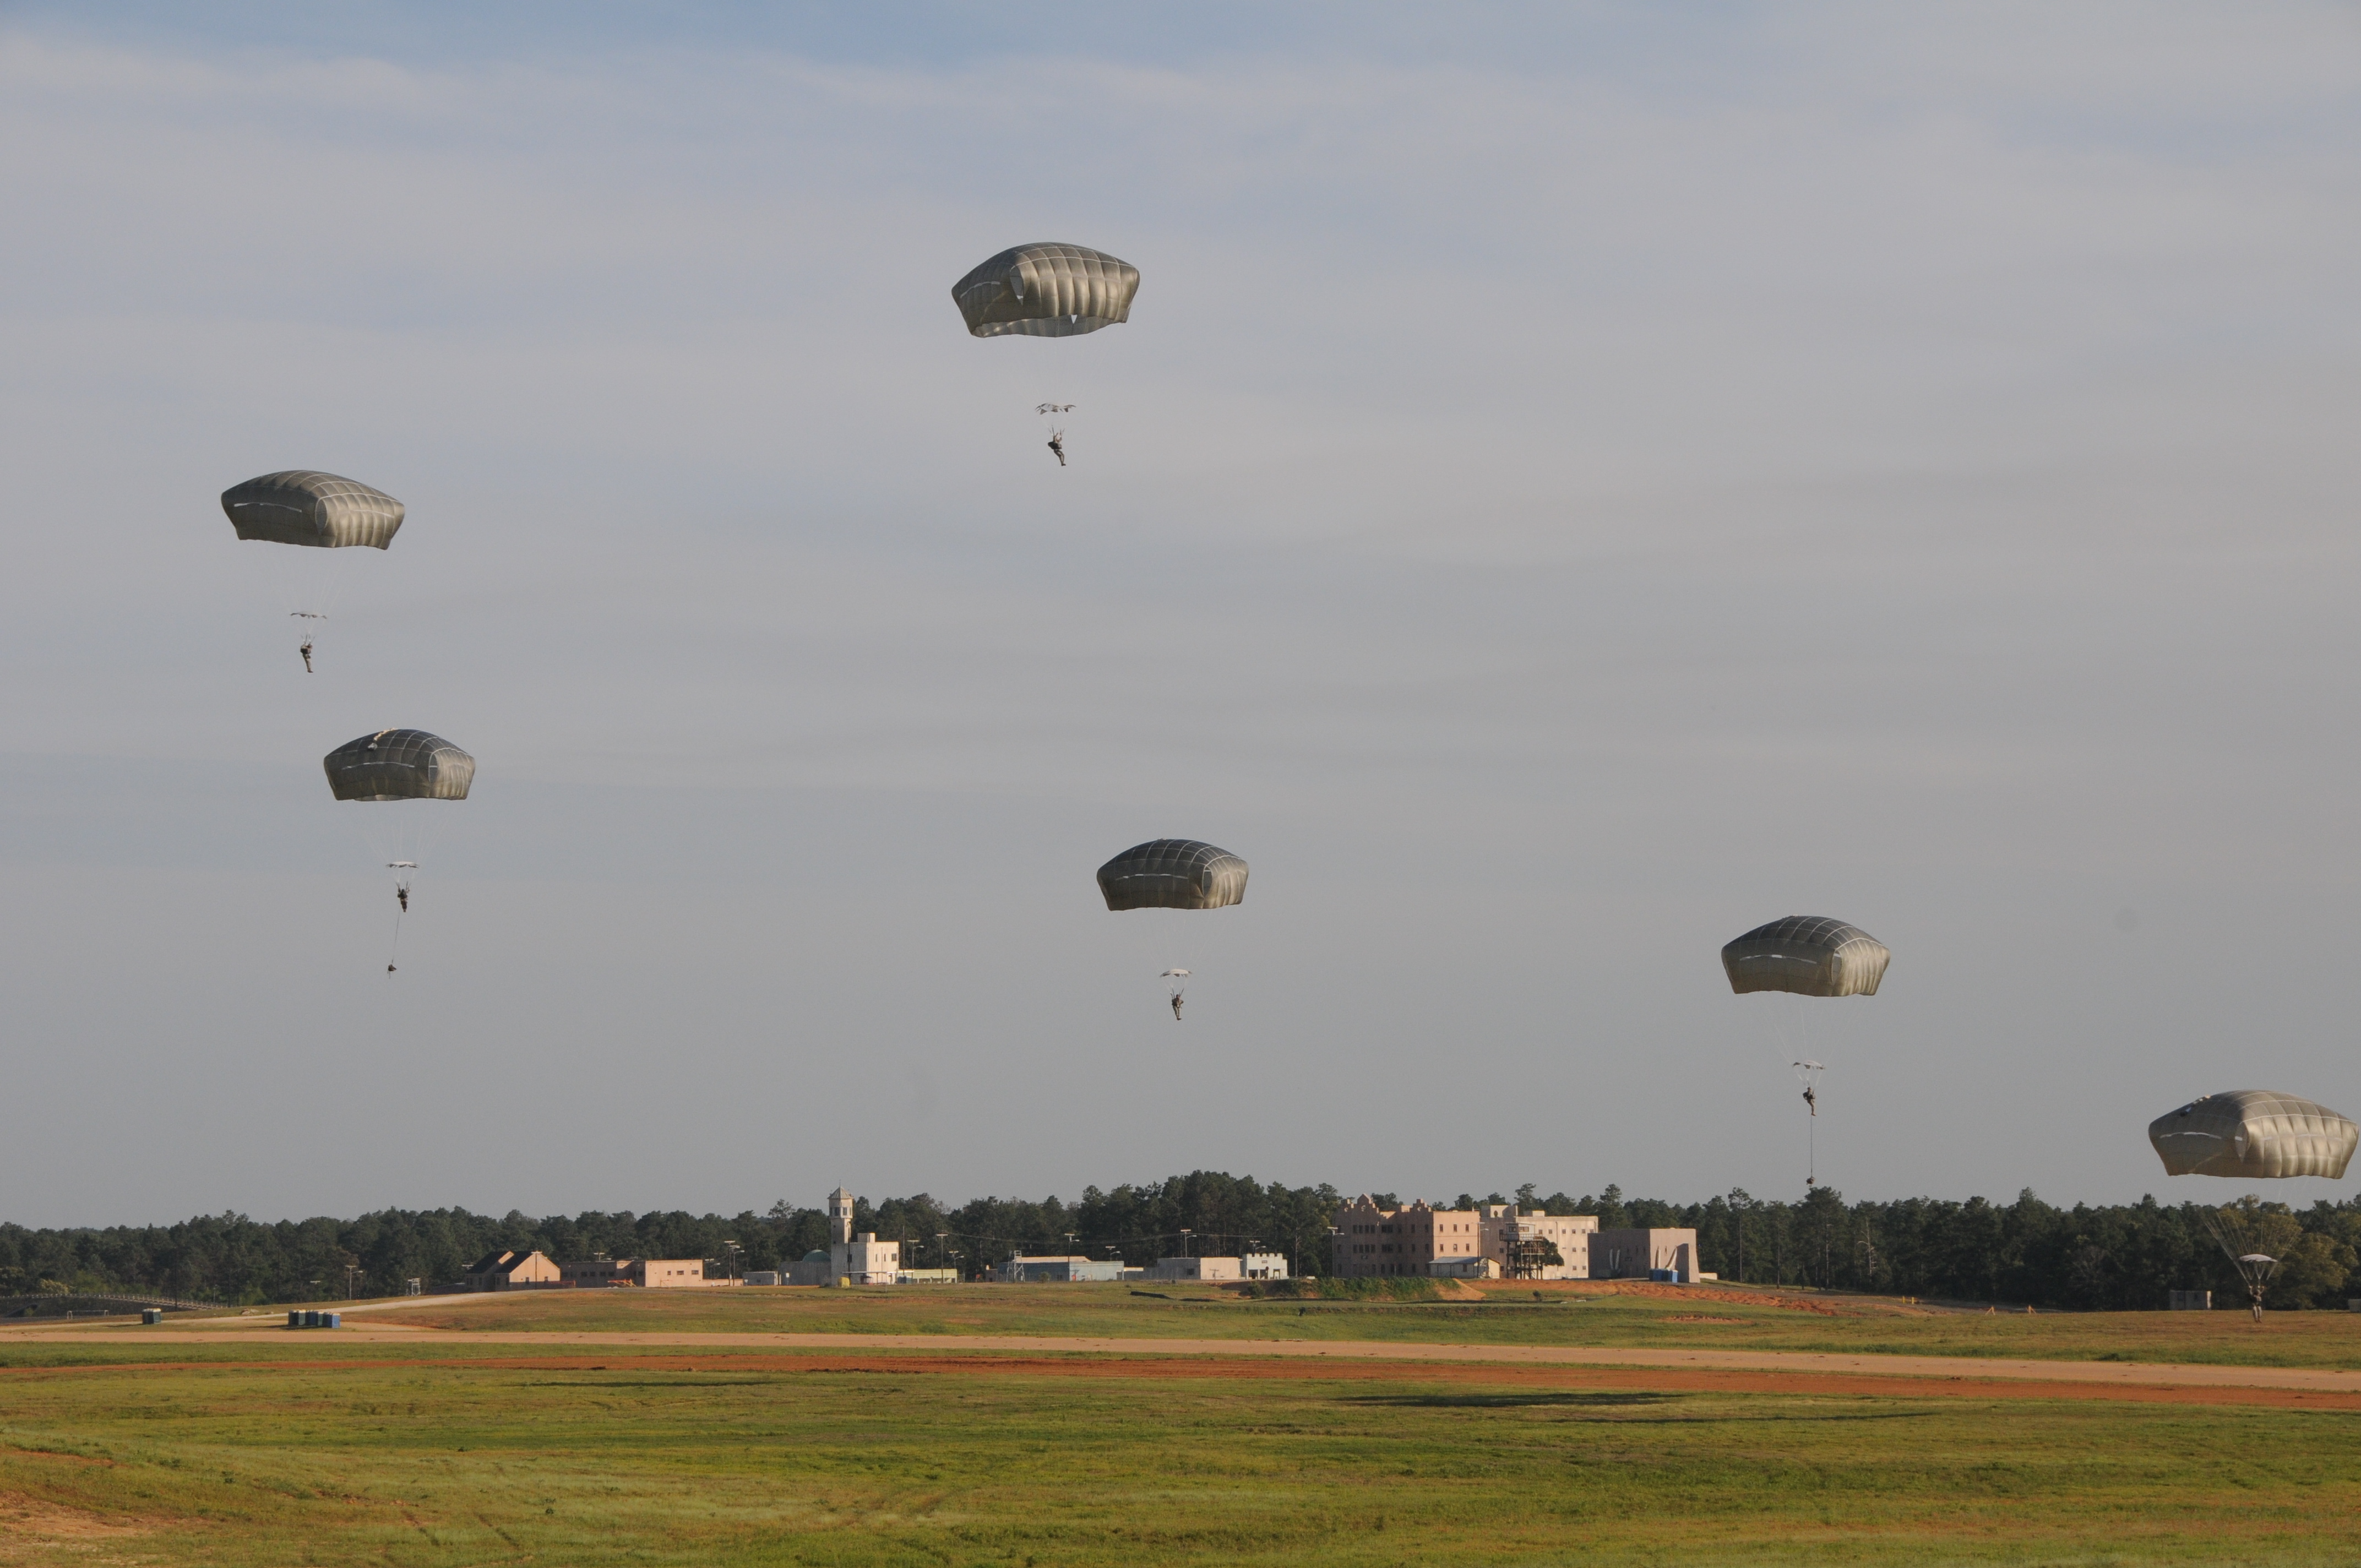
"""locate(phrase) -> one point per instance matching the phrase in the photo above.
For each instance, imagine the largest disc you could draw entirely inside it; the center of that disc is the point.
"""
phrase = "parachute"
(303, 506)
(398, 764)
(323, 513)
(1809, 954)
(2250, 1133)
(1046, 290)
(1173, 873)
(398, 770)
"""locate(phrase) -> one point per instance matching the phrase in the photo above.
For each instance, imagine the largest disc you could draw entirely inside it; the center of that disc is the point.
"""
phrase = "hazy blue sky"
(1577, 483)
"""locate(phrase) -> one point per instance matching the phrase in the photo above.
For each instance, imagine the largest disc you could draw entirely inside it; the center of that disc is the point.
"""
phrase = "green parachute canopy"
(400, 764)
(1173, 873)
(303, 506)
(1810, 955)
(1047, 290)
(2254, 1133)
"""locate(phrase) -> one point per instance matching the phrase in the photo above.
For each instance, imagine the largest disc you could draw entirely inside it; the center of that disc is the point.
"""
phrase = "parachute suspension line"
(1809, 1071)
(395, 951)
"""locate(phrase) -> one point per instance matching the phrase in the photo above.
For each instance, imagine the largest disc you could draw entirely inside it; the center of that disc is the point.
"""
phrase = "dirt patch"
(1700, 1318)
(24, 1518)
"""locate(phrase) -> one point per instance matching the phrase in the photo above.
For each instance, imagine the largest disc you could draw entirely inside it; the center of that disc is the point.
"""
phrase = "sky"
(1577, 483)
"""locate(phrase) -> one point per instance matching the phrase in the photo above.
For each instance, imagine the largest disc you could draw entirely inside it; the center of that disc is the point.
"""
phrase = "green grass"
(1507, 1316)
(344, 1455)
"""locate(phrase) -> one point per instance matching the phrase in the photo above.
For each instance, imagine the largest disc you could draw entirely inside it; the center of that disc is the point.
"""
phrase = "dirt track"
(1736, 1371)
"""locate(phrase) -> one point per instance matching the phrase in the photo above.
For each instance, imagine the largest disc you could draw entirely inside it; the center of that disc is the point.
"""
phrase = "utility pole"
(1185, 1233)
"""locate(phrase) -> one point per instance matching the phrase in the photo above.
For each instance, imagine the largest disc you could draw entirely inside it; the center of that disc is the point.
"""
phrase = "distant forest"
(2025, 1253)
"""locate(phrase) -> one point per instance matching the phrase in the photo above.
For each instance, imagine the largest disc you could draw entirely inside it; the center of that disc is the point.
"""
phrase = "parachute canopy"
(1173, 873)
(305, 507)
(1807, 954)
(2252, 1133)
(400, 764)
(1047, 290)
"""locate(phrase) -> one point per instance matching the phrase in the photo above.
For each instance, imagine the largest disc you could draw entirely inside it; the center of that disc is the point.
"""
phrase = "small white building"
(1197, 1269)
(1464, 1268)
(1263, 1266)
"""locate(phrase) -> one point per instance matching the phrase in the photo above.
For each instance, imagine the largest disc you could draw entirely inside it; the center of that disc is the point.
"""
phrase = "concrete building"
(596, 1273)
(510, 1271)
(1196, 1269)
(1076, 1270)
(1264, 1266)
(670, 1274)
(928, 1276)
(637, 1274)
(1374, 1241)
(861, 1259)
(812, 1269)
(1666, 1255)
(1504, 1230)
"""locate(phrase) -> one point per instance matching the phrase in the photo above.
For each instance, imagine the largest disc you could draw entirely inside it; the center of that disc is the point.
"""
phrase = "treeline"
(2028, 1251)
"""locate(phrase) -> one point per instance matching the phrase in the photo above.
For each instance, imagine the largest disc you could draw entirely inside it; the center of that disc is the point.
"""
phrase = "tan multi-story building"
(1371, 1241)
(1639, 1254)
(1504, 1229)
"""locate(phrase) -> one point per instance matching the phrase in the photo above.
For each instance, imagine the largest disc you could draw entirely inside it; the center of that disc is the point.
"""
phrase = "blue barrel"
(294, 1319)
(152, 1314)
(331, 1320)
(310, 1317)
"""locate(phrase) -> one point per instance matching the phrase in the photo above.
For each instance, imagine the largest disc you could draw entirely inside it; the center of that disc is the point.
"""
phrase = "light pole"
(942, 1247)
(1185, 1233)
(1069, 1242)
(733, 1263)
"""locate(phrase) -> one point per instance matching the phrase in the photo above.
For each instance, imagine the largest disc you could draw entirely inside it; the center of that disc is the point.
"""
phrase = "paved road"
(1806, 1363)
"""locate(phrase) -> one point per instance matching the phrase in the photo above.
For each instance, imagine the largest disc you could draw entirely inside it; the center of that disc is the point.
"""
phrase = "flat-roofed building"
(671, 1274)
(1464, 1268)
(1668, 1254)
(1196, 1269)
(1074, 1270)
(865, 1260)
(1263, 1266)
(1372, 1241)
(597, 1273)
(1512, 1240)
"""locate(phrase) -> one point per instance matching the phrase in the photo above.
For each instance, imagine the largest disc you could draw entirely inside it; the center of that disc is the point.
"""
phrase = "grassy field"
(639, 1459)
(1507, 1315)
(439, 1448)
